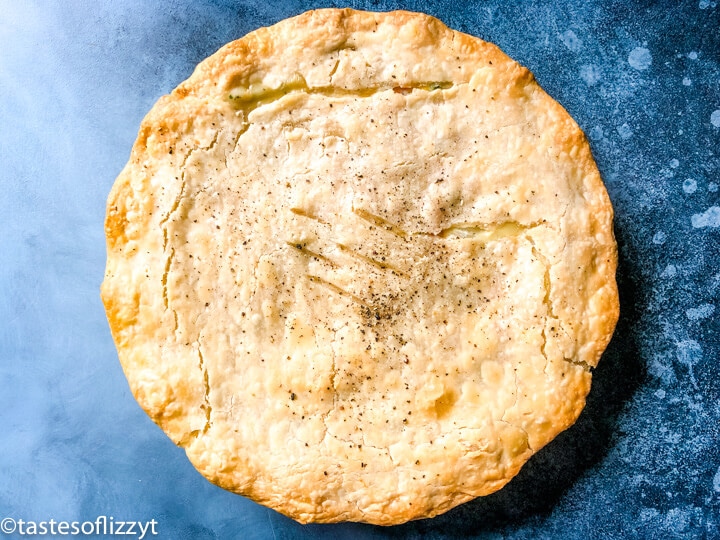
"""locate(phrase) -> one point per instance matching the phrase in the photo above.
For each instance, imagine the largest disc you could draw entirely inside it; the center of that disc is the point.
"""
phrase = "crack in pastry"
(206, 379)
(360, 267)
(259, 95)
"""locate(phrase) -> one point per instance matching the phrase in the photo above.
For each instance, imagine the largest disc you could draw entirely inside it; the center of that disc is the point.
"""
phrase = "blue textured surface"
(643, 81)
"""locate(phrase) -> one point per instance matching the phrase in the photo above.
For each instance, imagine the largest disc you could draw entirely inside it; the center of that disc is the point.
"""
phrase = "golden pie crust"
(360, 267)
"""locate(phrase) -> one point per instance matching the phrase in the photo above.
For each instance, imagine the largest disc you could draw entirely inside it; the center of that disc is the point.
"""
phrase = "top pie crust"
(360, 266)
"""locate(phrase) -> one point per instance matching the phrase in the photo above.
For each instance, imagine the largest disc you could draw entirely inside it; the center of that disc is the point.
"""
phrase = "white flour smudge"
(640, 58)
(715, 118)
(571, 41)
(716, 481)
(712, 187)
(709, 218)
(701, 312)
(625, 132)
(689, 353)
(686, 81)
(692, 55)
(590, 73)
(659, 238)
(689, 186)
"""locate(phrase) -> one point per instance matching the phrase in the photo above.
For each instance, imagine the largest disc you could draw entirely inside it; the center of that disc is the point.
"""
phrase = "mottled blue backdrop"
(641, 78)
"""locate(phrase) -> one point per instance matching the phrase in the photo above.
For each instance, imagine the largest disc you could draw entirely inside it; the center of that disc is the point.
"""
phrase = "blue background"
(641, 78)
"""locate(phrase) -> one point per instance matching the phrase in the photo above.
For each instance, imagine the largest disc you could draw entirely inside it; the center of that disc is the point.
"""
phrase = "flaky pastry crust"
(360, 267)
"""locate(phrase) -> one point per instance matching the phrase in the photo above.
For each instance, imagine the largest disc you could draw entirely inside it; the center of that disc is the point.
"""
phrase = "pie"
(360, 267)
